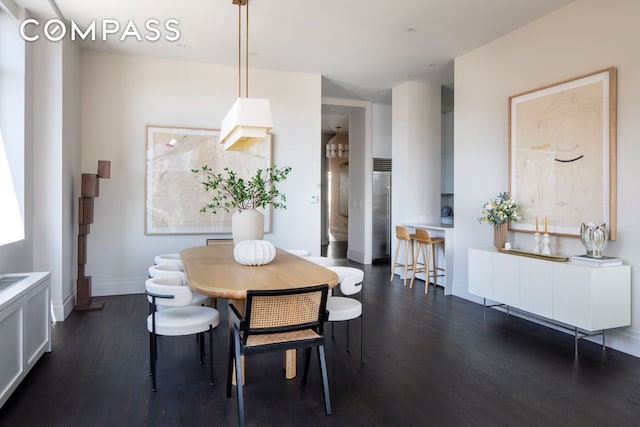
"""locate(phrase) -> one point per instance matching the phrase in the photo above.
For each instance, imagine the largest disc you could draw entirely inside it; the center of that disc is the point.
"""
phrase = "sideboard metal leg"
(576, 342)
(603, 341)
(484, 309)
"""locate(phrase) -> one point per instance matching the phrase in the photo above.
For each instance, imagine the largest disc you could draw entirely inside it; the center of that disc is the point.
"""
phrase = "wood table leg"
(290, 364)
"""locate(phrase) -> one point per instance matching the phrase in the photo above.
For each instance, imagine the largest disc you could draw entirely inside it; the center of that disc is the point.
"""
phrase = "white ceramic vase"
(247, 224)
(254, 252)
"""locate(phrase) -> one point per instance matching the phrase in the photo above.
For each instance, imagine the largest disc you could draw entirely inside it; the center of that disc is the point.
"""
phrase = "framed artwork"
(562, 154)
(173, 193)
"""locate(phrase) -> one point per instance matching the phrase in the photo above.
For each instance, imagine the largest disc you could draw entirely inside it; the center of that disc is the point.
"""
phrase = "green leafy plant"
(233, 192)
(500, 210)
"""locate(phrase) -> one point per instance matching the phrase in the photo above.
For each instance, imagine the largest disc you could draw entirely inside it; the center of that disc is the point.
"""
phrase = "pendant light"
(343, 149)
(331, 147)
(249, 119)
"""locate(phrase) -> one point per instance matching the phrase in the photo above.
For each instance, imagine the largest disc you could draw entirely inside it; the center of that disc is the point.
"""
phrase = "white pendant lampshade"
(246, 123)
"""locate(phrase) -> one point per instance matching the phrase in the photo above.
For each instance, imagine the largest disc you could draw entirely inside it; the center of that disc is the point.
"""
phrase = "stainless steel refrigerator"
(381, 209)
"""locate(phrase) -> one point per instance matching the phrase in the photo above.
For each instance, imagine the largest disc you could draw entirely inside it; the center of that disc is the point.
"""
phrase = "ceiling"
(362, 48)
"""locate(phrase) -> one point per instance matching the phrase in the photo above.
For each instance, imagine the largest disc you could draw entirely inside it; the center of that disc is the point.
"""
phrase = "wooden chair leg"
(406, 261)
(414, 269)
(426, 268)
(435, 265)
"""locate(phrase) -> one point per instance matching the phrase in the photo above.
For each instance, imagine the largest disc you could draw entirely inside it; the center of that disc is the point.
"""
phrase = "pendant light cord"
(246, 52)
(239, 50)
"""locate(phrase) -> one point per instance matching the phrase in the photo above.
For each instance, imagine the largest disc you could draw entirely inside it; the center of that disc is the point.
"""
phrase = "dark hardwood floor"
(430, 361)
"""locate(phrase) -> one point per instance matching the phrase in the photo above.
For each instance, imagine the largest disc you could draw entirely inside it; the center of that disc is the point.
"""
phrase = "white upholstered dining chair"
(172, 269)
(177, 318)
(173, 258)
(343, 308)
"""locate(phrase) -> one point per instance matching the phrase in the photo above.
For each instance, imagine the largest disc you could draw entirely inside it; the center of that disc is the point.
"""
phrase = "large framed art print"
(562, 154)
(173, 193)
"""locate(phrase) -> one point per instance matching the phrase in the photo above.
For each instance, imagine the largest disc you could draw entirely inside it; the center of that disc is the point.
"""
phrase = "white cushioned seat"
(187, 320)
(343, 308)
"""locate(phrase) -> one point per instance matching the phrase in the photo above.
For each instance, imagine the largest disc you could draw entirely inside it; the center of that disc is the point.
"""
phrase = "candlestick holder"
(544, 247)
(536, 243)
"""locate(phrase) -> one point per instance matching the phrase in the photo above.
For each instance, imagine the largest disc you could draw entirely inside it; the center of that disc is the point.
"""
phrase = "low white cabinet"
(25, 329)
(581, 296)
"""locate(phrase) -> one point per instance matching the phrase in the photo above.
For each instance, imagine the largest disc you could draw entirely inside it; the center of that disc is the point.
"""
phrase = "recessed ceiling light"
(411, 30)
(433, 64)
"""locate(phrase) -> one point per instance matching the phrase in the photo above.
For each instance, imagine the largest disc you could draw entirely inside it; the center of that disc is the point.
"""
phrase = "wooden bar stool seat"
(427, 247)
(406, 239)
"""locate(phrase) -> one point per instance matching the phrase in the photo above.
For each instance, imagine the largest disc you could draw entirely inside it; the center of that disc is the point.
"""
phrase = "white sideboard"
(581, 296)
(25, 328)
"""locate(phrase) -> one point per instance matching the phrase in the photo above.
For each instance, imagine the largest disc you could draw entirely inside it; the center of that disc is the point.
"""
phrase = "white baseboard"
(60, 309)
(355, 256)
(102, 288)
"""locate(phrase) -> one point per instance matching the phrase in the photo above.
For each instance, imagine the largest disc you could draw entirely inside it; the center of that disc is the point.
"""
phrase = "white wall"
(56, 159)
(360, 167)
(123, 94)
(416, 153)
(381, 133)
(585, 36)
(70, 174)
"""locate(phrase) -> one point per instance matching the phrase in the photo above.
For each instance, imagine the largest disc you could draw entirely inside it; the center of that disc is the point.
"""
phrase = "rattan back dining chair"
(276, 320)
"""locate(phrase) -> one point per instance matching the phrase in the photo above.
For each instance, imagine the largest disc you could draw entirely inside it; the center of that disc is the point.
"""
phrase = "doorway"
(336, 191)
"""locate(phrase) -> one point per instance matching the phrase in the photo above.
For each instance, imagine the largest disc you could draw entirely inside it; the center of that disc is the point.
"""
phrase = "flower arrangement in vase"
(499, 212)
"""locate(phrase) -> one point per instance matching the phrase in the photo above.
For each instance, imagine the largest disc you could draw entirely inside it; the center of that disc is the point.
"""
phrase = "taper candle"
(546, 225)
(536, 223)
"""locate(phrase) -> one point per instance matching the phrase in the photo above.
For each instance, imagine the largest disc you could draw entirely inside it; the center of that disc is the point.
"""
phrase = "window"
(12, 129)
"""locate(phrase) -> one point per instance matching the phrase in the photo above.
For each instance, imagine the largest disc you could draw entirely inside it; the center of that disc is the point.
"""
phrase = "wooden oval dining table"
(212, 270)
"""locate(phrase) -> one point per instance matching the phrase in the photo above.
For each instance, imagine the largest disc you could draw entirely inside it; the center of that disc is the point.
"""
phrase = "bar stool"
(427, 246)
(406, 239)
